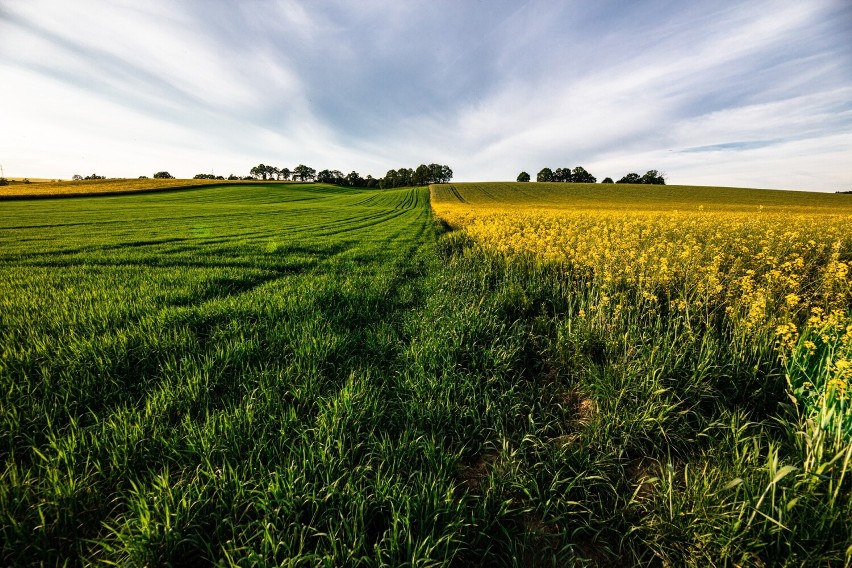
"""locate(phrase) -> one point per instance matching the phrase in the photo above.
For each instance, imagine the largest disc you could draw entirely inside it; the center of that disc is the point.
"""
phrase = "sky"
(751, 94)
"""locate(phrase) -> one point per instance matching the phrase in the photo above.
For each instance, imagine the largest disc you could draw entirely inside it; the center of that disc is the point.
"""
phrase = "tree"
(95, 176)
(259, 172)
(354, 179)
(630, 178)
(580, 175)
(284, 173)
(546, 174)
(304, 173)
(77, 177)
(653, 177)
(405, 177)
(163, 175)
(523, 176)
(422, 175)
(607, 180)
(563, 175)
(389, 180)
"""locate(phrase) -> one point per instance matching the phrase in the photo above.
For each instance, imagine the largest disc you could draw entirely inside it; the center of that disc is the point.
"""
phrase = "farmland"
(49, 188)
(711, 331)
(310, 375)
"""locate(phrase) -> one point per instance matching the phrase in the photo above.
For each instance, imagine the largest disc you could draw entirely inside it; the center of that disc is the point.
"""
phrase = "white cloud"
(127, 89)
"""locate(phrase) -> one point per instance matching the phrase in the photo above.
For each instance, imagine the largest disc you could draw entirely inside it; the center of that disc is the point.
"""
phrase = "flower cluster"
(765, 268)
(782, 273)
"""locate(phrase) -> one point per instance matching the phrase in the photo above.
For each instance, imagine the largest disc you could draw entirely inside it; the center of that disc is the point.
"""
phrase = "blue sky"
(751, 93)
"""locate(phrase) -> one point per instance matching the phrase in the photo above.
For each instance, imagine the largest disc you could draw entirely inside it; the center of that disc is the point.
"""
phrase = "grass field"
(639, 197)
(50, 188)
(307, 375)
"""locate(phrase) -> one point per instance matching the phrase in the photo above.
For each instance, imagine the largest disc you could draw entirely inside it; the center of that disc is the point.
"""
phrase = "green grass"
(630, 196)
(305, 375)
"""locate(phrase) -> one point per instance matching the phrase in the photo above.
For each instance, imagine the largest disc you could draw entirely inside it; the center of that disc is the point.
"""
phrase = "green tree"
(607, 180)
(304, 173)
(163, 175)
(523, 176)
(258, 171)
(580, 175)
(653, 177)
(546, 174)
(422, 175)
(563, 175)
(389, 181)
(354, 179)
(630, 178)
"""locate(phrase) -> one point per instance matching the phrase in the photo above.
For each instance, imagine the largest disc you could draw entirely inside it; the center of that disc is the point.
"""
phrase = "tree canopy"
(422, 175)
(546, 174)
(304, 173)
(565, 175)
(523, 176)
(652, 177)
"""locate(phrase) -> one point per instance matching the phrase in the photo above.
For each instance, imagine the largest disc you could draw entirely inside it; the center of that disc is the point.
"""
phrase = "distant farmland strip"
(49, 189)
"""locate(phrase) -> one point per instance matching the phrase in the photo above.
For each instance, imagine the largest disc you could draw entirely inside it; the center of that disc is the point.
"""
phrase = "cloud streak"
(709, 93)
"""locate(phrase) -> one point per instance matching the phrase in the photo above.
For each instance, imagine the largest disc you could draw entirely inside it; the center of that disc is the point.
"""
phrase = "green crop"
(305, 375)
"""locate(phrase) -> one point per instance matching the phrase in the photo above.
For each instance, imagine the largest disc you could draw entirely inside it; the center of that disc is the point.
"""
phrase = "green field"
(303, 375)
(637, 197)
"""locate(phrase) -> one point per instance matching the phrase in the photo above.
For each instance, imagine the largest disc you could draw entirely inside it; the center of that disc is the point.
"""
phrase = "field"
(296, 374)
(49, 188)
(720, 318)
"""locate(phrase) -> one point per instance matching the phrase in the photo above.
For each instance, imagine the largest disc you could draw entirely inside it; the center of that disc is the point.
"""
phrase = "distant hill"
(638, 197)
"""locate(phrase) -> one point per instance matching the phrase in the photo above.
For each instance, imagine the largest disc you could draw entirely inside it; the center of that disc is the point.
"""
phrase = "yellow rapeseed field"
(780, 273)
(99, 186)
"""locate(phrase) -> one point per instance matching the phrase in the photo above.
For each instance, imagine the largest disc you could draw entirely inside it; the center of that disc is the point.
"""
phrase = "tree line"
(422, 175)
(299, 173)
(403, 177)
(580, 175)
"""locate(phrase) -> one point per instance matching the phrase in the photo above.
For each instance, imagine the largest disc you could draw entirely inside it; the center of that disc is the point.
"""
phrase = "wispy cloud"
(128, 88)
